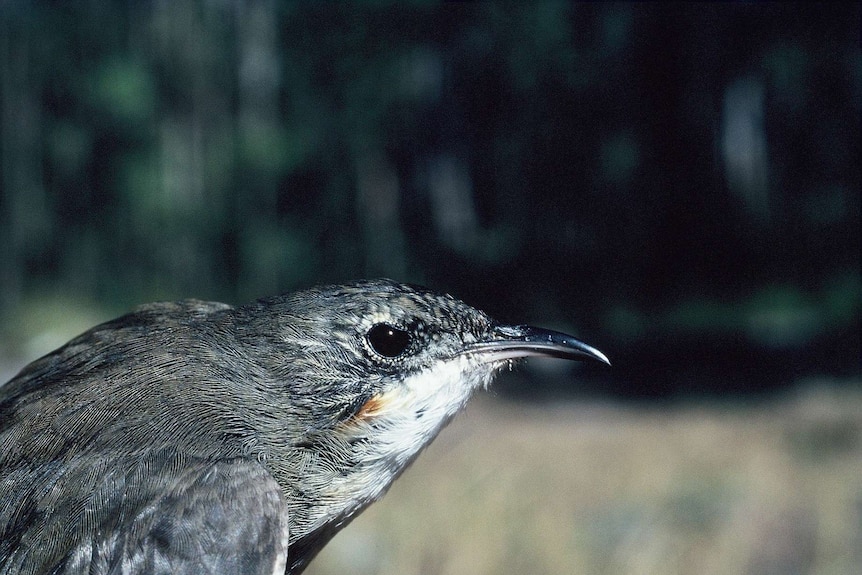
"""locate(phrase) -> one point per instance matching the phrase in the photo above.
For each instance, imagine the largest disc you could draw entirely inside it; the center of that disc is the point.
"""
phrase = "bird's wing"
(166, 514)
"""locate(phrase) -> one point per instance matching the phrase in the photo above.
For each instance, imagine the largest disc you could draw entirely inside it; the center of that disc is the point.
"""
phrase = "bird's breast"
(371, 448)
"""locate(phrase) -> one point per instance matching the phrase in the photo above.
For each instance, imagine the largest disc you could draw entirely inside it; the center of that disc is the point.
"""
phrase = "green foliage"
(536, 155)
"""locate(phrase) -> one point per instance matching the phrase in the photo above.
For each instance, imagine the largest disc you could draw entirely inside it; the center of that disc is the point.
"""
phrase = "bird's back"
(99, 467)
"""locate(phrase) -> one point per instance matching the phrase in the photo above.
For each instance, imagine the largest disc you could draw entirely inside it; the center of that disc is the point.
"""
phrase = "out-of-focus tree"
(657, 173)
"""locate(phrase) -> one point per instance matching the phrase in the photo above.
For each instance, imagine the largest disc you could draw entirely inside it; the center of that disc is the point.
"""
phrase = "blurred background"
(677, 184)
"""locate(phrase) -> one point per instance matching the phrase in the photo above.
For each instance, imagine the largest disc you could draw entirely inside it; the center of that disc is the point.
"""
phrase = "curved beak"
(515, 341)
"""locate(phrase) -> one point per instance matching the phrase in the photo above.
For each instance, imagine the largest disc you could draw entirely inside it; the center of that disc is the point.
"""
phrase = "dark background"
(676, 184)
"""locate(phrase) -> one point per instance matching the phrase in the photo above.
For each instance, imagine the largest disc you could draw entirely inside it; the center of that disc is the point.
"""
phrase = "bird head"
(374, 370)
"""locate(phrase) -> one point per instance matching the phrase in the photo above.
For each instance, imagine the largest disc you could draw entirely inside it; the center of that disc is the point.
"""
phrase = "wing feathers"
(166, 514)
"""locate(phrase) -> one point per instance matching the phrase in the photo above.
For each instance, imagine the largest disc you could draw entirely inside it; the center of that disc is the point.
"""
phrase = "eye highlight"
(387, 340)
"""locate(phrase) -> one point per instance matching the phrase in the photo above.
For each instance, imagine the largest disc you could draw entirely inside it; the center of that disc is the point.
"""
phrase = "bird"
(197, 437)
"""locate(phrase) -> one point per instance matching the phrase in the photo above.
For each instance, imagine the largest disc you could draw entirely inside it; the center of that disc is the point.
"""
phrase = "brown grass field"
(773, 487)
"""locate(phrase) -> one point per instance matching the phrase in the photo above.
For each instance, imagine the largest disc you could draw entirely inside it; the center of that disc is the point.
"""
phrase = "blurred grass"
(773, 487)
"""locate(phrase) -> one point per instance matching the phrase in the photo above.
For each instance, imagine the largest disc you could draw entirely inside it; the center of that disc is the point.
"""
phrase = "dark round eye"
(388, 341)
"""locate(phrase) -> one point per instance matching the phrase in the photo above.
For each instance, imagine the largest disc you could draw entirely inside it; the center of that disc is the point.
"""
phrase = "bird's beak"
(515, 341)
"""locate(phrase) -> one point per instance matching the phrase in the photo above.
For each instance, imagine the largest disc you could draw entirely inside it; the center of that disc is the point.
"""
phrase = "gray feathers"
(185, 437)
(194, 437)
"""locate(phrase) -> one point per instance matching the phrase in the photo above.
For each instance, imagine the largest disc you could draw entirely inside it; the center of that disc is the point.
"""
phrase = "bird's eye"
(388, 341)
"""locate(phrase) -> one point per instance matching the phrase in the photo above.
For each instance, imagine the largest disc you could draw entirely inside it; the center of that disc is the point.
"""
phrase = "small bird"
(196, 437)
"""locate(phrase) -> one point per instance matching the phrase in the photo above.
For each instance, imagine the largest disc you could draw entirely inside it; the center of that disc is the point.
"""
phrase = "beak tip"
(592, 353)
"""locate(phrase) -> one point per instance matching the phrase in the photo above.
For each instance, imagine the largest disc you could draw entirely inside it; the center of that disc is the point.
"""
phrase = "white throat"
(395, 427)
